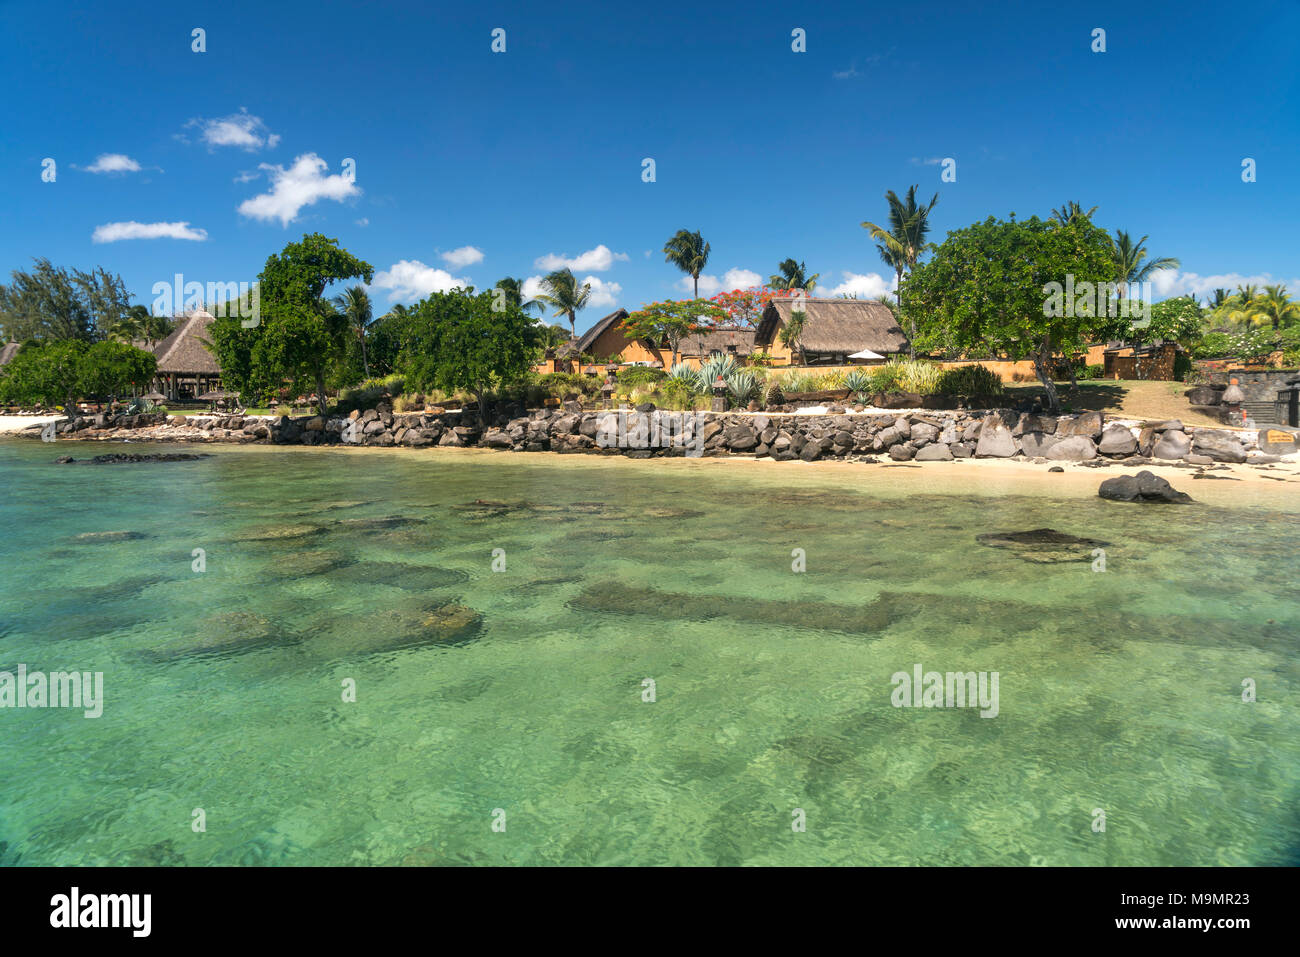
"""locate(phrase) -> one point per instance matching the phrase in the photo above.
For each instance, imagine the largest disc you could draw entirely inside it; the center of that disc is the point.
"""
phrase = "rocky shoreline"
(1089, 439)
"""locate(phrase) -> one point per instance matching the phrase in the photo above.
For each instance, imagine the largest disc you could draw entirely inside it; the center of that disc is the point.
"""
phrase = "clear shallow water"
(1119, 691)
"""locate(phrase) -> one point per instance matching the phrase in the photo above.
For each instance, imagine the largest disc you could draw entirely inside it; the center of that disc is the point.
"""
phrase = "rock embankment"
(1087, 439)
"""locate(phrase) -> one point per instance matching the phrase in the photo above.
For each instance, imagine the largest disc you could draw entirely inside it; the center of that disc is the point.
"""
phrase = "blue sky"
(534, 156)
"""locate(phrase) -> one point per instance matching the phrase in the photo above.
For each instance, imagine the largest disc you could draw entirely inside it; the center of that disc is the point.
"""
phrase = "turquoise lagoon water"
(223, 689)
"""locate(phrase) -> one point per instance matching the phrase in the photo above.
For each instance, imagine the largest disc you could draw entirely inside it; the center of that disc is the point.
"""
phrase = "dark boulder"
(1143, 487)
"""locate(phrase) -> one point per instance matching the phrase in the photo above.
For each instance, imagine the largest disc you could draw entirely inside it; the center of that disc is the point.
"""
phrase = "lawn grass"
(1124, 398)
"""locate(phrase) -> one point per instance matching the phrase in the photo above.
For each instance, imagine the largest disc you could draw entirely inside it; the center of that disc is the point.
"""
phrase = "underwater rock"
(388, 521)
(231, 632)
(399, 627)
(618, 598)
(272, 533)
(1043, 546)
(114, 458)
(117, 536)
(400, 575)
(306, 564)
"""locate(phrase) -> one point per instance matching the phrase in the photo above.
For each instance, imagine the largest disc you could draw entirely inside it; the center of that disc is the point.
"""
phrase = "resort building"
(834, 330)
(186, 367)
(8, 351)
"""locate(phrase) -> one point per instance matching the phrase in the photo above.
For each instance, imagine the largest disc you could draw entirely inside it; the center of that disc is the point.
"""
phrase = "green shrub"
(369, 392)
(906, 375)
(969, 380)
(1092, 371)
(633, 376)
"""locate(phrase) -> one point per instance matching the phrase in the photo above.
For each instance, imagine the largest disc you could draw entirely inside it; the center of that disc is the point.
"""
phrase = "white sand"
(16, 423)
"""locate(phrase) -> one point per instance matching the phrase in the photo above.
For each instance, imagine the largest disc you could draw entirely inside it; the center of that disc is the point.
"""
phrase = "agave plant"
(719, 367)
(686, 376)
(743, 385)
(857, 381)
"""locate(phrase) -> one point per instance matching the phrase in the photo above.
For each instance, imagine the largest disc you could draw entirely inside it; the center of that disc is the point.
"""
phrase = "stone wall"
(901, 437)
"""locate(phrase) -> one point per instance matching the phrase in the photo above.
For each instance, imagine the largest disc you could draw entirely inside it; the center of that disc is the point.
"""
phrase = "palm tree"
(561, 290)
(793, 275)
(1070, 212)
(791, 334)
(902, 245)
(354, 305)
(1277, 307)
(1244, 306)
(514, 294)
(688, 252)
(1217, 298)
(1128, 257)
(127, 329)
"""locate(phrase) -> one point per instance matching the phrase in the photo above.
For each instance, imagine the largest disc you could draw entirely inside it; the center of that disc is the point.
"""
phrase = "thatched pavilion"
(186, 367)
(833, 330)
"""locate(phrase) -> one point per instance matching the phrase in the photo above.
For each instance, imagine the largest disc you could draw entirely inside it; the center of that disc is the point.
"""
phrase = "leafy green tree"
(561, 291)
(671, 321)
(552, 336)
(58, 371)
(904, 242)
(459, 343)
(793, 275)
(113, 368)
(987, 289)
(688, 252)
(300, 338)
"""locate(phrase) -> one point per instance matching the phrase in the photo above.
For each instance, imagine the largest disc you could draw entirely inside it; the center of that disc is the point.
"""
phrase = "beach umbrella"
(866, 354)
(218, 394)
(155, 397)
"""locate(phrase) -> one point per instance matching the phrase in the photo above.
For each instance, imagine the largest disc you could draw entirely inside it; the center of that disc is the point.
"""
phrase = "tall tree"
(688, 252)
(909, 224)
(561, 291)
(793, 275)
(997, 286)
(49, 302)
(354, 304)
(300, 336)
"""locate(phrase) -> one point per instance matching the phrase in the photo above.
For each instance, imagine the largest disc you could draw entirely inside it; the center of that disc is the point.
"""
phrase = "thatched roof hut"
(8, 351)
(186, 366)
(723, 340)
(834, 328)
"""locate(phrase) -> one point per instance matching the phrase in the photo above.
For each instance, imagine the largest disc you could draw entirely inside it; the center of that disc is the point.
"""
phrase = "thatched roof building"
(834, 329)
(8, 351)
(186, 366)
(724, 340)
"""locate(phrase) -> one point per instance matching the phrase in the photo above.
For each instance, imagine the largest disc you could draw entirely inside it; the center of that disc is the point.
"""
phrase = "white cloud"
(240, 129)
(712, 285)
(532, 288)
(465, 256)
(1172, 282)
(603, 293)
(112, 232)
(593, 260)
(302, 184)
(867, 286)
(247, 176)
(411, 279)
(113, 163)
(363, 221)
